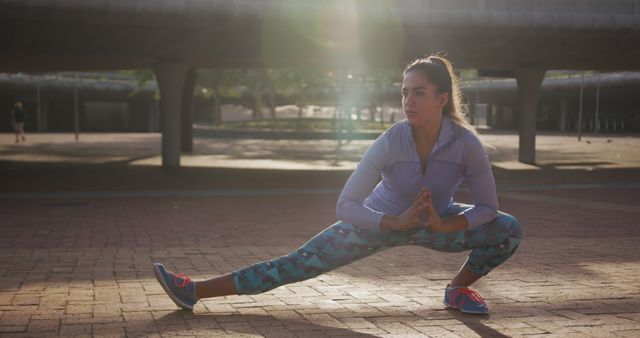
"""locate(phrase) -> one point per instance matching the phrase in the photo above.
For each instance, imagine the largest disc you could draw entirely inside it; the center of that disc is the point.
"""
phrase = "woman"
(421, 161)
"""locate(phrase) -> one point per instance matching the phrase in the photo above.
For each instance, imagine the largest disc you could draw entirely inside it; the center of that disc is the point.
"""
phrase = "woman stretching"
(401, 193)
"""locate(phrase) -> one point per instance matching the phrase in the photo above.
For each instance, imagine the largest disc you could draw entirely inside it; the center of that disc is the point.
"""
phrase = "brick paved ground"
(80, 264)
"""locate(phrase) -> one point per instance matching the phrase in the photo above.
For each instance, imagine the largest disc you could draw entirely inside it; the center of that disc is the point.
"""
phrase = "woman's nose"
(408, 100)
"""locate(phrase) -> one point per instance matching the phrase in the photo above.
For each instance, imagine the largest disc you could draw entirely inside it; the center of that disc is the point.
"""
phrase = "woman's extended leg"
(215, 287)
(338, 245)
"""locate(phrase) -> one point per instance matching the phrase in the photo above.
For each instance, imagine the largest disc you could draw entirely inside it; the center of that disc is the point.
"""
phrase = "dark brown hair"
(438, 70)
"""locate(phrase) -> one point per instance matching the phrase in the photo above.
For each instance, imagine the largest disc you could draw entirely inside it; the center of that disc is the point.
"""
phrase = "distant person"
(18, 117)
(401, 193)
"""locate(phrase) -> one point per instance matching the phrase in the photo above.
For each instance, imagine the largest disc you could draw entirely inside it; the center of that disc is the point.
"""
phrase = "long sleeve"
(350, 207)
(482, 186)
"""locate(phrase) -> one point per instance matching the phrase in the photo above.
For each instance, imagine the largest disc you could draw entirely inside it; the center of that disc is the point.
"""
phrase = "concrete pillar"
(471, 111)
(186, 113)
(44, 107)
(39, 106)
(76, 109)
(498, 121)
(480, 116)
(529, 81)
(564, 110)
(171, 77)
(494, 115)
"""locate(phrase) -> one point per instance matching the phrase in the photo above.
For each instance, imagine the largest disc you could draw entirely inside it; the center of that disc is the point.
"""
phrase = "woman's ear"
(443, 99)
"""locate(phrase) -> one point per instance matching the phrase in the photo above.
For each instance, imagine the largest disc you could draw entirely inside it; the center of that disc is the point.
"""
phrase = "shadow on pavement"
(475, 323)
(269, 325)
(246, 324)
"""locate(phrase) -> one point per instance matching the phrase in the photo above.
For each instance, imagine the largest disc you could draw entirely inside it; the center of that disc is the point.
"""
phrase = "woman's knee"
(511, 225)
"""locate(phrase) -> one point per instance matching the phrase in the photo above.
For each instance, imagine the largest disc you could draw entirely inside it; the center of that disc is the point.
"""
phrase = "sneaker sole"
(159, 277)
(463, 311)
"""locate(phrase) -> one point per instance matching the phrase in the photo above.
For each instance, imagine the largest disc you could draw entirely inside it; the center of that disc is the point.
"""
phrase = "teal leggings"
(340, 244)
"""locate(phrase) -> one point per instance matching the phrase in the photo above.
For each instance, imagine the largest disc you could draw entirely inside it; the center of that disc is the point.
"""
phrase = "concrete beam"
(496, 73)
(529, 83)
(171, 77)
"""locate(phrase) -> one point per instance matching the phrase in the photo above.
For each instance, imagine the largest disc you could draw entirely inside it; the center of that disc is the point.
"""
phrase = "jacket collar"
(447, 134)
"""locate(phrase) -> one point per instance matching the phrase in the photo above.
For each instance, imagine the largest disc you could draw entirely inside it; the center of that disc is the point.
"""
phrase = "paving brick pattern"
(81, 267)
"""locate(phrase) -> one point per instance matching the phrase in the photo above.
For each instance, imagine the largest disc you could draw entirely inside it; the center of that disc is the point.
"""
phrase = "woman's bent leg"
(493, 243)
(338, 245)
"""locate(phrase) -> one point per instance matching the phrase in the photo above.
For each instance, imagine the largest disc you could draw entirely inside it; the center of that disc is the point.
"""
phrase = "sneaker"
(465, 300)
(179, 287)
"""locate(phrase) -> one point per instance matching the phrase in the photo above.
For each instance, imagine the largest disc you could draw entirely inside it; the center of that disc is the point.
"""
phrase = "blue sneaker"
(179, 287)
(465, 300)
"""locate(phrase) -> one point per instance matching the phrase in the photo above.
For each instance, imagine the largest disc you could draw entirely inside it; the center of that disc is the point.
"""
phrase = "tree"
(299, 84)
(214, 83)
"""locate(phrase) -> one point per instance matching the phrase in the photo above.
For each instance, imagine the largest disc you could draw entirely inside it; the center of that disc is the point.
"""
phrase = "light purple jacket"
(457, 155)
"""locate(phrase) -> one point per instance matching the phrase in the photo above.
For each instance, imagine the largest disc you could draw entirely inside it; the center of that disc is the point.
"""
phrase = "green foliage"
(568, 73)
(467, 74)
(295, 83)
(142, 77)
(224, 82)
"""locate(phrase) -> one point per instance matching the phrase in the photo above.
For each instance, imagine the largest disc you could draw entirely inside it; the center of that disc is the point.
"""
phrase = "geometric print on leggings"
(494, 243)
(337, 245)
(491, 244)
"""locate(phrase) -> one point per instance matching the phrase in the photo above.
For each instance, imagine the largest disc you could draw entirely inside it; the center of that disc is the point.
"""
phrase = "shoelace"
(474, 296)
(181, 280)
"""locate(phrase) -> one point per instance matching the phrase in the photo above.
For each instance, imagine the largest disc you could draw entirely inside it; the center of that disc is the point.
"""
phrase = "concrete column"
(471, 111)
(76, 109)
(498, 122)
(480, 116)
(44, 107)
(171, 77)
(39, 107)
(529, 81)
(494, 115)
(186, 114)
(564, 110)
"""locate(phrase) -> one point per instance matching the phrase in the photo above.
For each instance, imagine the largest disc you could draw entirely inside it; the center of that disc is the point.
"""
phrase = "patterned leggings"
(340, 244)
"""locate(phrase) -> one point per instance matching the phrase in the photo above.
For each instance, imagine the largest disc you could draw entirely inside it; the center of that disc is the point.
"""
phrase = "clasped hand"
(411, 217)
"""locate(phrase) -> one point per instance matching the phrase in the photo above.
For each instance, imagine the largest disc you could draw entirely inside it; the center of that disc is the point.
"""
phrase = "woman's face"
(421, 102)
